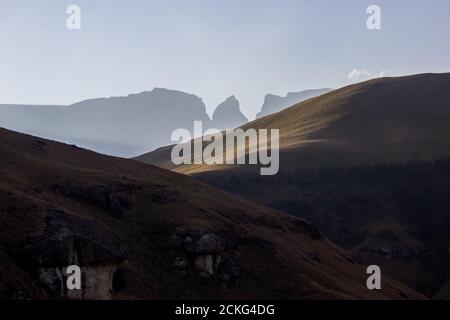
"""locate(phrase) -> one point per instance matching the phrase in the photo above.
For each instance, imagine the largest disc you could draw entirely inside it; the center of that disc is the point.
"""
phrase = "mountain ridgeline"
(274, 103)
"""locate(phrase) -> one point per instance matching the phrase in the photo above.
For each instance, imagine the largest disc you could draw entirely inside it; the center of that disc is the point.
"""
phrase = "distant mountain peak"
(231, 103)
(274, 103)
(228, 114)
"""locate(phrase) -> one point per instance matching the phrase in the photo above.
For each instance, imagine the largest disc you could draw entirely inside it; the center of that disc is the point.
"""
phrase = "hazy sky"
(212, 48)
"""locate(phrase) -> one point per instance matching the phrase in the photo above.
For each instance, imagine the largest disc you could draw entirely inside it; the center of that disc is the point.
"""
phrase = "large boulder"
(207, 244)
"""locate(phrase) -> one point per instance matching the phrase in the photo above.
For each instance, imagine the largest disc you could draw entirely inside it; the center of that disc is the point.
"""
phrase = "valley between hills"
(368, 165)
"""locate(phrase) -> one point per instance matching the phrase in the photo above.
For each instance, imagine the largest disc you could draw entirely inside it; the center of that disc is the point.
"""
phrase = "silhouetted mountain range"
(131, 125)
(121, 126)
(274, 103)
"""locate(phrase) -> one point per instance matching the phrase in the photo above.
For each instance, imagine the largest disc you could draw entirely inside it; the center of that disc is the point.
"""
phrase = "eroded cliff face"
(228, 115)
(69, 240)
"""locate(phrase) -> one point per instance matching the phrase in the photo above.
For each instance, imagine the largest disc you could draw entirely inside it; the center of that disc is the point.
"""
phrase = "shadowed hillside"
(157, 233)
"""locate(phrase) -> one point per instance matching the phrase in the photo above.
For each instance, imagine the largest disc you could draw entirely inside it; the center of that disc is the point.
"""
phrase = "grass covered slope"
(386, 120)
(379, 121)
(279, 256)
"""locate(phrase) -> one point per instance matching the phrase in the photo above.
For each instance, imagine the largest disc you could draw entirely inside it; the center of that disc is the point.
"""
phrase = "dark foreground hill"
(367, 164)
(138, 231)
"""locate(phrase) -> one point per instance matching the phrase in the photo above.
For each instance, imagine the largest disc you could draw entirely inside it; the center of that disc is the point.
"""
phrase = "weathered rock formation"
(71, 240)
(209, 256)
(228, 115)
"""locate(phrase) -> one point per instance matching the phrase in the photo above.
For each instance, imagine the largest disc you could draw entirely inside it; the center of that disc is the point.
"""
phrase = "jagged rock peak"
(228, 114)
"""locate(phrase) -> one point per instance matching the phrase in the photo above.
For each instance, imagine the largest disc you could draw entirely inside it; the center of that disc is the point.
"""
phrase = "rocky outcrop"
(228, 115)
(207, 244)
(211, 258)
(71, 240)
(96, 282)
